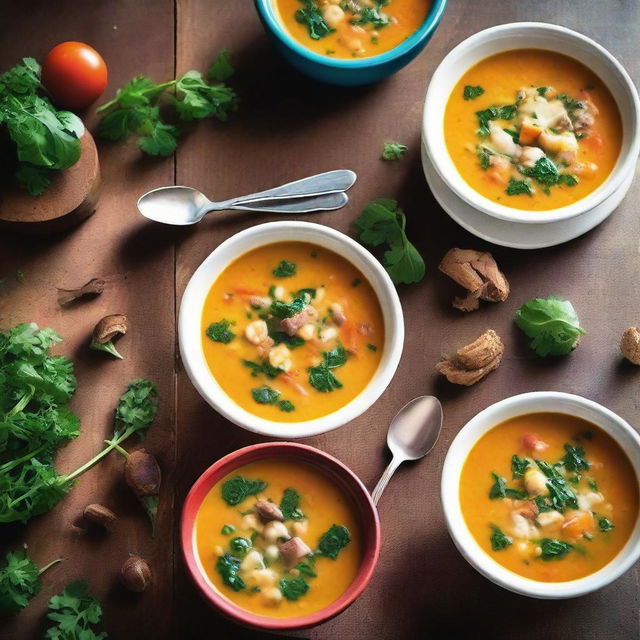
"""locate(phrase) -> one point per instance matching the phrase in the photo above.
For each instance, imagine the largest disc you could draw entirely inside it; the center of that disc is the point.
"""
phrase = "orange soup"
(278, 538)
(292, 331)
(532, 129)
(549, 496)
(352, 28)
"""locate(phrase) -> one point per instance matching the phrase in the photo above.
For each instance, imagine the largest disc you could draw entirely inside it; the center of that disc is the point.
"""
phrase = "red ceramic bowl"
(341, 475)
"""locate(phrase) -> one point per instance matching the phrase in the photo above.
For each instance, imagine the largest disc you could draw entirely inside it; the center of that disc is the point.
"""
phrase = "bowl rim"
(225, 465)
(268, 12)
(432, 135)
(464, 540)
(206, 384)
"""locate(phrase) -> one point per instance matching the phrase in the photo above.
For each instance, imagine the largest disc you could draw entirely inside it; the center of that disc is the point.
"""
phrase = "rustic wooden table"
(288, 127)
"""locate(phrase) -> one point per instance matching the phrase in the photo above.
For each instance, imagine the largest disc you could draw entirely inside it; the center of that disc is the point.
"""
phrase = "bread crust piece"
(474, 361)
(478, 273)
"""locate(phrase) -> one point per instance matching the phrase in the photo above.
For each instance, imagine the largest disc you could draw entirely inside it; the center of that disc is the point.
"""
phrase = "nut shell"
(109, 327)
(99, 515)
(142, 473)
(135, 574)
(630, 345)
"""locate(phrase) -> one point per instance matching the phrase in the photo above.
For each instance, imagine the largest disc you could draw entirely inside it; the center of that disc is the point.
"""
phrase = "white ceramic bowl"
(190, 318)
(518, 405)
(530, 35)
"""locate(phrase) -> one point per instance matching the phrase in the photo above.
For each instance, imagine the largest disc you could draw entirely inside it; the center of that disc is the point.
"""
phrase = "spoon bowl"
(412, 435)
(173, 205)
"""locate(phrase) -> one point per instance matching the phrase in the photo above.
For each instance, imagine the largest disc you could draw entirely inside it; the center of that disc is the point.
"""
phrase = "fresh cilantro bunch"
(75, 611)
(382, 222)
(19, 581)
(552, 323)
(45, 138)
(136, 107)
(35, 421)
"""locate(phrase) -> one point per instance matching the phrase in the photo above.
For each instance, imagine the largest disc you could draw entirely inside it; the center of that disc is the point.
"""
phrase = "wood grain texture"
(288, 127)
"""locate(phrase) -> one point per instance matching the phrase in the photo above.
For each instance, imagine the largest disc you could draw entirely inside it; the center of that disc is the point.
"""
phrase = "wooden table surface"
(289, 126)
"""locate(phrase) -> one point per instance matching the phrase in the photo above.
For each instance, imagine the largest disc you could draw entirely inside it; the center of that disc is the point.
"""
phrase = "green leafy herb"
(518, 187)
(293, 588)
(542, 90)
(307, 567)
(262, 368)
(543, 504)
(484, 156)
(35, 422)
(561, 494)
(499, 540)
(265, 395)
(235, 490)
(499, 489)
(290, 505)
(308, 291)
(227, 529)
(604, 524)
(19, 581)
(372, 16)
(552, 323)
(372, 347)
(45, 139)
(220, 331)
(544, 171)
(75, 612)
(310, 16)
(335, 358)
(286, 406)
(285, 269)
(321, 377)
(382, 222)
(221, 68)
(228, 566)
(554, 549)
(333, 541)
(506, 112)
(570, 104)
(568, 179)
(593, 485)
(240, 546)
(291, 341)
(518, 466)
(282, 309)
(514, 134)
(471, 93)
(574, 459)
(135, 109)
(107, 347)
(393, 151)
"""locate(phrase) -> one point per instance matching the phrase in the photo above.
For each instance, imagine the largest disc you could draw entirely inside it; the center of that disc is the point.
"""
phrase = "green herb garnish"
(604, 524)
(307, 567)
(382, 222)
(286, 406)
(220, 331)
(393, 151)
(285, 269)
(265, 395)
(553, 549)
(240, 546)
(228, 567)
(333, 541)
(499, 489)
(518, 466)
(552, 323)
(235, 490)
(518, 187)
(75, 611)
(310, 16)
(499, 540)
(227, 529)
(471, 93)
(506, 112)
(263, 368)
(290, 505)
(372, 347)
(221, 68)
(282, 309)
(574, 458)
(293, 588)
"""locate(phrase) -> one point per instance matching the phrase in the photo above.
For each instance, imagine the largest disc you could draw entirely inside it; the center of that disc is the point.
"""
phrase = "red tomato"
(74, 74)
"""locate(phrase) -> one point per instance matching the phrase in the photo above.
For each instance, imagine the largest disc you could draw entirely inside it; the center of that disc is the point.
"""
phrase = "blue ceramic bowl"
(347, 72)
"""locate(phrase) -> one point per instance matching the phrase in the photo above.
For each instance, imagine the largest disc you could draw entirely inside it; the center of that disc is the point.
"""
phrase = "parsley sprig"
(136, 106)
(75, 611)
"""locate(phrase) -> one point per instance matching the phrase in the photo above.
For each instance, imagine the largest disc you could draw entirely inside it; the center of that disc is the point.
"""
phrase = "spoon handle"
(384, 479)
(328, 182)
(326, 202)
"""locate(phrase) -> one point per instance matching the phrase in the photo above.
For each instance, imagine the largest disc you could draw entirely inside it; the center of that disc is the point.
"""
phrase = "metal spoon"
(184, 205)
(412, 434)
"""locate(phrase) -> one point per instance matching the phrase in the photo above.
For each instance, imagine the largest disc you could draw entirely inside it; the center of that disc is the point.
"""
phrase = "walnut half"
(630, 345)
(474, 361)
(478, 273)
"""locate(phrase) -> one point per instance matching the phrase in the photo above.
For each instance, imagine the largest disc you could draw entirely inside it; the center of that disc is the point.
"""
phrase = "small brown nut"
(142, 473)
(135, 574)
(109, 327)
(630, 345)
(99, 515)
(268, 511)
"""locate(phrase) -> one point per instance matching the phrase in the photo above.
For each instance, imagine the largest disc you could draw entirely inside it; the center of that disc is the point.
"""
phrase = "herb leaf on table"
(75, 611)
(552, 323)
(382, 222)
(393, 151)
